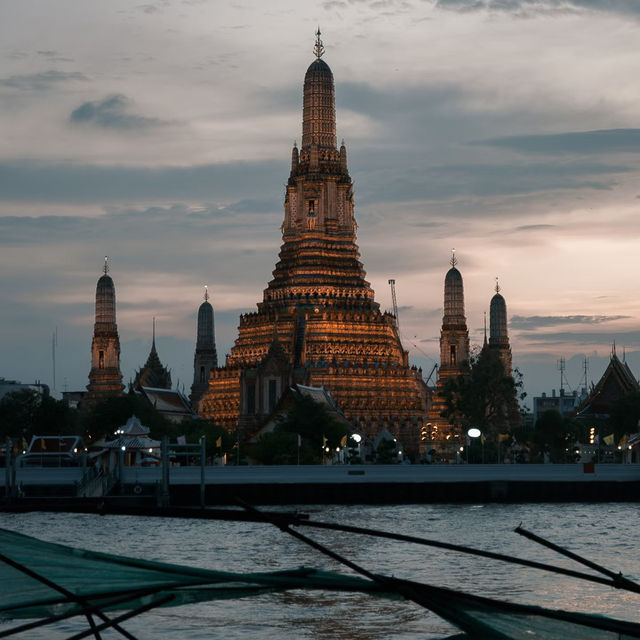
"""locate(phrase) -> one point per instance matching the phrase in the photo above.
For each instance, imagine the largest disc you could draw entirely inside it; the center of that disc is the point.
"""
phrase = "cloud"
(580, 142)
(74, 183)
(593, 338)
(538, 322)
(112, 112)
(533, 7)
(378, 184)
(535, 227)
(42, 81)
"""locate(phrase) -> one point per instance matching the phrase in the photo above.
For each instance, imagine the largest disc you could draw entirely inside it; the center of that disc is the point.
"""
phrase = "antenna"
(561, 368)
(54, 344)
(585, 374)
(394, 301)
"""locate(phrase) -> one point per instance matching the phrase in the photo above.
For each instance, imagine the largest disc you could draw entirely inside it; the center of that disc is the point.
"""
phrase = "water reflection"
(604, 533)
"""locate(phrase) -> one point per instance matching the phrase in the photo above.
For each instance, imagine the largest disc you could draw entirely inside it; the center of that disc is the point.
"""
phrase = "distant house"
(11, 386)
(173, 405)
(133, 443)
(565, 404)
(616, 382)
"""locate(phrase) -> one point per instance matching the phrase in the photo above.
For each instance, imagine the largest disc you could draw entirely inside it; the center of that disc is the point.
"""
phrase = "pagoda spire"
(318, 49)
(105, 377)
(205, 357)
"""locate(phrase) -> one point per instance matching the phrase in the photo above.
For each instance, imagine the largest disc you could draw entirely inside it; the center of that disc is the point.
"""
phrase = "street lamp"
(474, 433)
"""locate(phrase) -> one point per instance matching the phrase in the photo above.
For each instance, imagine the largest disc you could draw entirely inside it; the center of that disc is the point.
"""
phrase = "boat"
(52, 582)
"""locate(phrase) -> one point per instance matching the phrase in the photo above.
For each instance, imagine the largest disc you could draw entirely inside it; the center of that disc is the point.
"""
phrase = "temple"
(205, 357)
(498, 332)
(441, 432)
(105, 378)
(154, 373)
(318, 323)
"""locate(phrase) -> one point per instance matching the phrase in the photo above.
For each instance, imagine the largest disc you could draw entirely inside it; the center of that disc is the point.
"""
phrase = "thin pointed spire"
(206, 293)
(485, 328)
(497, 285)
(454, 260)
(153, 335)
(318, 49)
(106, 265)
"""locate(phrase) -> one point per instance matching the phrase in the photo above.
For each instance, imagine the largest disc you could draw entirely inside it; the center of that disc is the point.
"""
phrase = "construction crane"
(394, 302)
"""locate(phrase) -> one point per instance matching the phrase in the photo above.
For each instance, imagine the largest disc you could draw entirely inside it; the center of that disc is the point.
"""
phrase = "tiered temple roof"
(318, 309)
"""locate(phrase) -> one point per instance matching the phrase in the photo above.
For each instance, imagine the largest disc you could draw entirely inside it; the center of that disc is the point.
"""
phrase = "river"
(605, 533)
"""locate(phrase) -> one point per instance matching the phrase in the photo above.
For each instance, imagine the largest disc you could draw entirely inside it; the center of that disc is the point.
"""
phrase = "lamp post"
(474, 433)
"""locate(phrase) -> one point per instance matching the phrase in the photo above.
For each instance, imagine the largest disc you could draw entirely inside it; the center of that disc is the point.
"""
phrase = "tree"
(486, 397)
(625, 415)
(26, 413)
(103, 419)
(312, 422)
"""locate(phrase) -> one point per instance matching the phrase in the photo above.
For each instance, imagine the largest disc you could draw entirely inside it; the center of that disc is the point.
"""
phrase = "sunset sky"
(160, 134)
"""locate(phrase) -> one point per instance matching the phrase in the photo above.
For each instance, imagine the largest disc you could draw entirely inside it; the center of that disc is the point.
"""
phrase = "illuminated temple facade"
(318, 323)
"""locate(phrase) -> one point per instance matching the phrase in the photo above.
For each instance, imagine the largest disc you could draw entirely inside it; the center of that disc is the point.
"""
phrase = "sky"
(160, 134)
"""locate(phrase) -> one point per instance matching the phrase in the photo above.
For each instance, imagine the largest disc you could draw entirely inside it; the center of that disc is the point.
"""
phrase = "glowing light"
(356, 437)
(474, 432)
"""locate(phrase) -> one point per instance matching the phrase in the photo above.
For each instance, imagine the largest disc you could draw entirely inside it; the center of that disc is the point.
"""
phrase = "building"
(171, 404)
(564, 403)
(205, 358)
(11, 386)
(498, 331)
(318, 323)
(616, 382)
(105, 378)
(442, 433)
(154, 374)
(132, 445)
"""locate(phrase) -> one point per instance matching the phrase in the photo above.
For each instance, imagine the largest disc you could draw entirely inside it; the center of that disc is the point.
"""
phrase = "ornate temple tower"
(153, 374)
(205, 358)
(318, 323)
(498, 335)
(105, 378)
(454, 358)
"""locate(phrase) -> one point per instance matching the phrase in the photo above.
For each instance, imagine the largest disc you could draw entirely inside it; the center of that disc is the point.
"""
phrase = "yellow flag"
(623, 440)
(343, 442)
(324, 441)
(609, 440)
(219, 442)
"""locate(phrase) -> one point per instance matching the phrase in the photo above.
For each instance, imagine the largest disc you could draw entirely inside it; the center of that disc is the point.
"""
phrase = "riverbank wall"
(343, 484)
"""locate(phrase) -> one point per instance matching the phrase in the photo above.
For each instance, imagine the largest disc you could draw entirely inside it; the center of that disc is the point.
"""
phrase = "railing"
(91, 484)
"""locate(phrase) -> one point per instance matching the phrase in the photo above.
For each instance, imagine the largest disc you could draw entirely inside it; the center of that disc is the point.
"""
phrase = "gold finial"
(497, 285)
(206, 293)
(318, 49)
(106, 265)
(454, 260)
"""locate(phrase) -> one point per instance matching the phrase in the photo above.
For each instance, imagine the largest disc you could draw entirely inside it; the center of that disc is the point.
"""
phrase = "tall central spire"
(319, 105)
(319, 192)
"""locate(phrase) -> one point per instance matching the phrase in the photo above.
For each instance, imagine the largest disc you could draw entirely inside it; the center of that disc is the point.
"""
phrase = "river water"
(605, 533)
